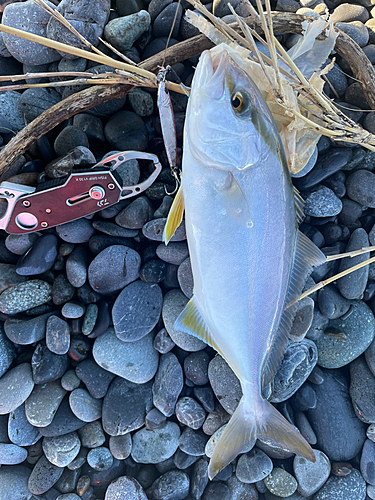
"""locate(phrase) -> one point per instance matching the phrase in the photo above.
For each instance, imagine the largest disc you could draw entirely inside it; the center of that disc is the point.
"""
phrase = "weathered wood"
(88, 98)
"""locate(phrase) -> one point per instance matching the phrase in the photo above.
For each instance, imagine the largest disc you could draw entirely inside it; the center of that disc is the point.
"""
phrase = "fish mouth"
(213, 73)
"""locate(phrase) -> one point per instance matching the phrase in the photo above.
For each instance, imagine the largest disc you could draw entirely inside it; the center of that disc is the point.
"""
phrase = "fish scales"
(248, 258)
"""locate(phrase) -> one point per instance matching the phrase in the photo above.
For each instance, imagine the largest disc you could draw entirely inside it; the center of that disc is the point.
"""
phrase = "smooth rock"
(280, 483)
(360, 187)
(94, 377)
(76, 231)
(362, 390)
(23, 296)
(76, 267)
(141, 102)
(15, 387)
(100, 458)
(20, 431)
(225, 384)
(84, 406)
(72, 310)
(350, 487)
(136, 214)
(340, 438)
(173, 485)
(162, 342)
(126, 131)
(356, 30)
(322, 203)
(70, 381)
(135, 361)
(347, 12)
(358, 326)
(90, 318)
(35, 101)
(153, 271)
(241, 491)
(62, 290)
(92, 435)
(168, 19)
(152, 447)
(331, 303)
(29, 17)
(190, 413)
(168, 384)
(122, 32)
(20, 243)
(298, 362)
(137, 310)
(113, 268)
(43, 403)
(8, 275)
(174, 303)
(14, 483)
(25, 332)
(63, 422)
(120, 446)
(311, 476)
(70, 138)
(61, 450)
(367, 463)
(125, 406)
(57, 335)
(185, 278)
(125, 487)
(154, 419)
(253, 466)
(43, 476)
(10, 454)
(46, 365)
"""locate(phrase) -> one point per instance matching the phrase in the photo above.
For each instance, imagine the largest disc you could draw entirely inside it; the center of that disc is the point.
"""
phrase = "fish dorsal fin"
(190, 321)
(175, 216)
(299, 203)
(307, 255)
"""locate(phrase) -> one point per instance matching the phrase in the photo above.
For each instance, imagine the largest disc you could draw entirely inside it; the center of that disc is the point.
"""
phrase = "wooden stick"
(86, 99)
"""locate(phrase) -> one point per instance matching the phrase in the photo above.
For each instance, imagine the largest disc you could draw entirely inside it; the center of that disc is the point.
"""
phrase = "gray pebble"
(57, 335)
(253, 466)
(125, 487)
(164, 207)
(135, 361)
(125, 406)
(311, 476)
(297, 364)
(24, 296)
(153, 230)
(61, 450)
(122, 32)
(154, 419)
(10, 454)
(152, 447)
(190, 413)
(46, 365)
(168, 21)
(135, 215)
(100, 459)
(43, 476)
(331, 303)
(94, 377)
(70, 381)
(302, 320)
(76, 267)
(353, 285)
(7, 352)
(42, 404)
(114, 229)
(304, 427)
(361, 187)
(72, 310)
(20, 243)
(322, 203)
(224, 383)
(347, 12)
(141, 102)
(168, 384)
(280, 482)
(351, 487)
(25, 332)
(358, 326)
(8, 275)
(62, 290)
(92, 435)
(120, 446)
(40, 257)
(126, 131)
(162, 342)
(76, 231)
(196, 367)
(174, 253)
(174, 303)
(137, 310)
(89, 320)
(114, 268)
(63, 422)
(84, 406)
(241, 491)
(69, 138)
(20, 431)
(35, 101)
(28, 17)
(356, 30)
(173, 485)
(367, 463)
(15, 387)
(362, 390)
(14, 483)
(192, 442)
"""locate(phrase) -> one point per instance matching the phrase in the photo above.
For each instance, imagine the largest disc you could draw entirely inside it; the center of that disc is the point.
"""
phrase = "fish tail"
(256, 421)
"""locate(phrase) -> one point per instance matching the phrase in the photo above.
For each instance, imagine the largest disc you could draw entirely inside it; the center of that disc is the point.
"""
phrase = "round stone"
(152, 447)
(43, 403)
(100, 459)
(61, 450)
(94, 377)
(174, 303)
(25, 332)
(190, 413)
(311, 476)
(113, 268)
(280, 483)
(72, 310)
(120, 446)
(153, 230)
(20, 243)
(10, 454)
(20, 431)
(362, 390)
(91, 435)
(43, 476)
(224, 383)
(322, 203)
(173, 485)
(359, 330)
(14, 483)
(136, 214)
(185, 278)
(193, 442)
(57, 335)
(253, 466)
(122, 32)
(350, 487)
(76, 231)
(137, 310)
(135, 361)
(15, 387)
(126, 131)
(125, 487)
(168, 384)
(84, 406)
(24, 296)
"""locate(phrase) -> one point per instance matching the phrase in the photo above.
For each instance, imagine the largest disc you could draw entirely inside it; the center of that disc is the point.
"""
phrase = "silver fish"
(248, 258)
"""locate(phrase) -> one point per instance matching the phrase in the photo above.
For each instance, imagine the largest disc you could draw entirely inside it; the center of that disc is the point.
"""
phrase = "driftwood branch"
(86, 99)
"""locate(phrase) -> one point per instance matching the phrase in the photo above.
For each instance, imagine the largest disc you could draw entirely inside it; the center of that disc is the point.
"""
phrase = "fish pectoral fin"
(175, 216)
(246, 426)
(307, 255)
(234, 201)
(190, 321)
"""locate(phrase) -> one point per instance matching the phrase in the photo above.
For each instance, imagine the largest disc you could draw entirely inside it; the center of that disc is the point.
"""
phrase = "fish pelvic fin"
(175, 216)
(247, 425)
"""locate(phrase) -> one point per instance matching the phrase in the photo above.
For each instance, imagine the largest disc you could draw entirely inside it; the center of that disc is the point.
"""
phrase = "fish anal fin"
(246, 426)
(175, 216)
(190, 321)
(307, 255)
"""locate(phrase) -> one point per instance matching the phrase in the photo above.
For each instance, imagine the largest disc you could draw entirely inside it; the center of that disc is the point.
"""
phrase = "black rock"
(199, 479)
(193, 442)
(36, 100)
(40, 257)
(167, 18)
(331, 303)
(196, 367)
(62, 290)
(362, 390)
(154, 271)
(76, 231)
(360, 187)
(46, 365)
(173, 485)
(168, 384)
(126, 130)
(135, 215)
(70, 137)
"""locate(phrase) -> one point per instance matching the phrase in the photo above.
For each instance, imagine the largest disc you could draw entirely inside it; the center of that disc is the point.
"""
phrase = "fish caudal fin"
(246, 426)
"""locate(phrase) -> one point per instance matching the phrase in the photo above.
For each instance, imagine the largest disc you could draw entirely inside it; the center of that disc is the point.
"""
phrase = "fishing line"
(171, 30)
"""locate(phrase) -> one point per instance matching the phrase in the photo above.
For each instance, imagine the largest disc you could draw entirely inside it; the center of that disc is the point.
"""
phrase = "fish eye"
(240, 102)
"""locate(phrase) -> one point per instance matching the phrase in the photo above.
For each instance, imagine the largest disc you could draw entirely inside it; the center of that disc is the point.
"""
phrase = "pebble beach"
(100, 397)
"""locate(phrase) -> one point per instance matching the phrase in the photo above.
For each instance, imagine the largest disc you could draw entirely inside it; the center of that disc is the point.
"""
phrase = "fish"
(249, 259)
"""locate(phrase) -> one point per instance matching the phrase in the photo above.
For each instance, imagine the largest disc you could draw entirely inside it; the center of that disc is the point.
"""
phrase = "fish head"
(228, 124)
